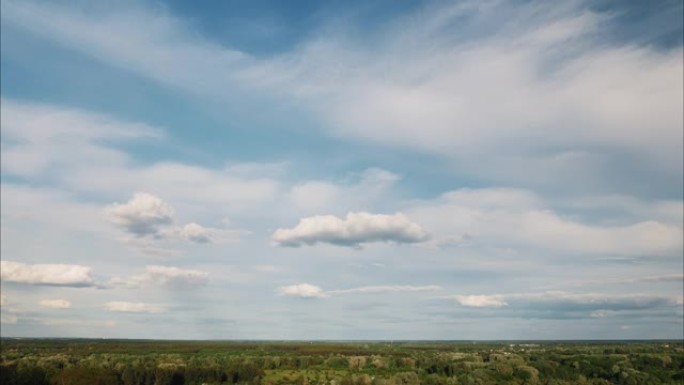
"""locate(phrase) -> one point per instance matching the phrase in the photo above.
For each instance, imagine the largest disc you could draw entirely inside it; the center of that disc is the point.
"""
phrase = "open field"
(129, 362)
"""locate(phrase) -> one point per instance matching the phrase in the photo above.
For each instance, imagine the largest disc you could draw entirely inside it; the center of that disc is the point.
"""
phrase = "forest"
(148, 362)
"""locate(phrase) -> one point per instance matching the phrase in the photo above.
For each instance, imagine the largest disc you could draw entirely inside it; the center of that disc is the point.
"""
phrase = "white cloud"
(314, 195)
(497, 104)
(356, 192)
(311, 291)
(145, 41)
(602, 313)
(147, 248)
(480, 300)
(133, 307)
(142, 215)
(55, 303)
(196, 233)
(73, 148)
(520, 218)
(46, 274)
(355, 230)
(45, 207)
(192, 185)
(304, 290)
(493, 88)
(149, 219)
(567, 302)
(42, 138)
(510, 97)
(169, 276)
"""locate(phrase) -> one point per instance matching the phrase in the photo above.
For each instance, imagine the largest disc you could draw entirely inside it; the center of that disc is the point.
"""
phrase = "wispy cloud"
(566, 304)
(168, 276)
(77, 147)
(521, 218)
(40, 138)
(365, 188)
(134, 307)
(142, 40)
(630, 280)
(78, 322)
(306, 290)
(493, 88)
(503, 100)
(55, 303)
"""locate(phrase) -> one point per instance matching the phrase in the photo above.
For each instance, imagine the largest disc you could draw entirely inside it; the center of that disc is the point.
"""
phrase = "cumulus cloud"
(133, 307)
(353, 231)
(480, 300)
(168, 276)
(142, 215)
(46, 274)
(196, 233)
(149, 218)
(303, 290)
(55, 303)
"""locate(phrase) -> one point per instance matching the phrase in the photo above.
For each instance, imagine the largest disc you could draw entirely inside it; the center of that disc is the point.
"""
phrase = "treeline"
(51, 362)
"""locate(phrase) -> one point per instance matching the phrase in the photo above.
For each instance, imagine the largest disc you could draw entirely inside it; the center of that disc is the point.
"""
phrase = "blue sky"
(342, 170)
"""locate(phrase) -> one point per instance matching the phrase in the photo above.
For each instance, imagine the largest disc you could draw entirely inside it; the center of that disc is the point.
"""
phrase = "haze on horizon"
(455, 170)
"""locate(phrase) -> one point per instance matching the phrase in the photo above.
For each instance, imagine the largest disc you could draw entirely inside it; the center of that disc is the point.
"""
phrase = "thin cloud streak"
(306, 290)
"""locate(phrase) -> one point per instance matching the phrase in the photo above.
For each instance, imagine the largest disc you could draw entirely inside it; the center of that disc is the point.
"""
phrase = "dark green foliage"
(81, 375)
(14, 374)
(112, 362)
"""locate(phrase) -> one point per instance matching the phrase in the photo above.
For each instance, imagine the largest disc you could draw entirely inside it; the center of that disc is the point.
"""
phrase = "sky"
(452, 170)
